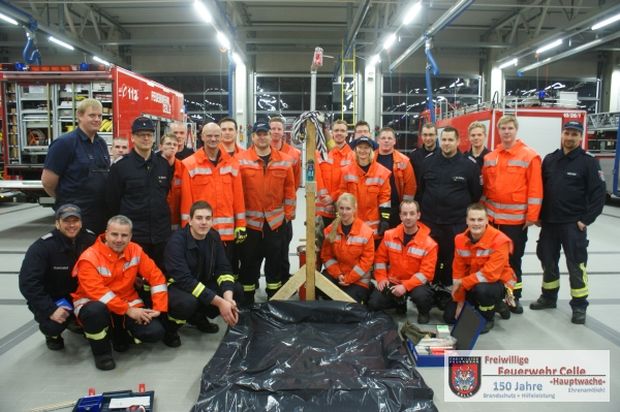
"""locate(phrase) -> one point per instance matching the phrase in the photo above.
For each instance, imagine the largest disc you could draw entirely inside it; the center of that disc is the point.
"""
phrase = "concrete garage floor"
(32, 376)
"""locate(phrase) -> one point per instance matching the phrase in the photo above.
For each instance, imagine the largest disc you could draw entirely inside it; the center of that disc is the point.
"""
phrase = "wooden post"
(310, 209)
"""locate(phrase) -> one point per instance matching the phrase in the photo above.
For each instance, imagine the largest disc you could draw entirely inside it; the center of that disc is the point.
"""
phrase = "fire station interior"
(251, 59)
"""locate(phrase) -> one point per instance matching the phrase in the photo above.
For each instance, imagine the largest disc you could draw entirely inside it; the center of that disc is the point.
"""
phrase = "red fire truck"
(39, 105)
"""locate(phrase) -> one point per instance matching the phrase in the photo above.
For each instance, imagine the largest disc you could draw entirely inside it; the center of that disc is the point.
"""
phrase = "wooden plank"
(326, 286)
(291, 286)
(310, 209)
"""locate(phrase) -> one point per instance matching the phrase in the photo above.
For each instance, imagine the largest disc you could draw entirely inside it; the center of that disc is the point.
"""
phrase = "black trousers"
(101, 326)
(266, 244)
(575, 245)
(50, 328)
(518, 235)
(183, 306)
(483, 296)
(444, 236)
(421, 296)
(232, 251)
(155, 252)
(359, 293)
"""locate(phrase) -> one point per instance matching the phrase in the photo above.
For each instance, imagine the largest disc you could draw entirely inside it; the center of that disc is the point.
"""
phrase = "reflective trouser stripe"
(273, 286)
(249, 288)
(581, 292)
(551, 285)
(177, 321)
(97, 336)
(486, 308)
(198, 289)
(518, 285)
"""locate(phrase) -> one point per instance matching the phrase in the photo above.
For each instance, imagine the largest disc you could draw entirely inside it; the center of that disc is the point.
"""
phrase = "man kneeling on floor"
(404, 264)
(45, 277)
(201, 281)
(481, 273)
(106, 302)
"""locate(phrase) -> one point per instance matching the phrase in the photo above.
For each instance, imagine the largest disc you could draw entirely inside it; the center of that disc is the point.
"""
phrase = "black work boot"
(579, 316)
(172, 339)
(488, 326)
(543, 303)
(517, 308)
(423, 318)
(202, 324)
(503, 310)
(54, 342)
(105, 361)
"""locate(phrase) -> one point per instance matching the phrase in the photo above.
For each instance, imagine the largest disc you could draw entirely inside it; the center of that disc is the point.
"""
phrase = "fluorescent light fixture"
(8, 19)
(550, 46)
(389, 41)
(606, 22)
(374, 60)
(509, 63)
(223, 40)
(61, 43)
(412, 12)
(202, 11)
(100, 60)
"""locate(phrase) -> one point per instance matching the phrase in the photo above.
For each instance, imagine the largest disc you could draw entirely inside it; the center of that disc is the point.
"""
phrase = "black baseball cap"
(68, 210)
(261, 126)
(364, 139)
(573, 125)
(142, 124)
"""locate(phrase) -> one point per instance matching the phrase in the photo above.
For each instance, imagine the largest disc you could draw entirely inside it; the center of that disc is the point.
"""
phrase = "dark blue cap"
(364, 139)
(261, 126)
(67, 210)
(573, 125)
(142, 124)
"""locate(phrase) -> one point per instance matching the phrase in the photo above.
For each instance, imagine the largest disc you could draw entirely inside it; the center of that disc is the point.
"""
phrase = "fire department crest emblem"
(464, 375)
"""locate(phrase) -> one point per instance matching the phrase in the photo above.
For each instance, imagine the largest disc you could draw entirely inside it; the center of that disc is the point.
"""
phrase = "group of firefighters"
(151, 240)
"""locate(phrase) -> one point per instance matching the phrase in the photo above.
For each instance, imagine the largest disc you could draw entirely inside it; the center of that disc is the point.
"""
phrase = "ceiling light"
(606, 22)
(374, 60)
(61, 43)
(202, 11)
(389, 41)
(412, 13)
(512, 62)
(550, 46)
(100, 60)
(224, 42)
(8, 19)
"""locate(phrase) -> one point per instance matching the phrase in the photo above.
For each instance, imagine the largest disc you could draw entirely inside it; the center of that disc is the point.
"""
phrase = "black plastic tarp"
(312, 356)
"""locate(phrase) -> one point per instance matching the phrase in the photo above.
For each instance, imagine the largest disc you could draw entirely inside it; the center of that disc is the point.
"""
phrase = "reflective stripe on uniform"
(358, 270)
(534, 201)
(350, 178)
(98, 335)
(225, 278)
(486, 308)
(200, 171)
(136, 302)
(385, 204)
(284, 163)
(254, 213)
(224, 232)
(246, 162)
(330, 262)
(492, 162)
(272, 286)
(249, 288)
(551, 285)
(379, 266)
(518, 285)
(507, 206)
(198, 289)
(481, 278)
(184, 216)
(107, 297)
(135, 261)
(289, 202)
(506, 216)
(357, 240)
(228, 169)
(408, 198)
(579, 293)
(222, 220)
(159, 288)
(394, 246)
(177, 321)
(463, 252)
(104, 271)
(420, 276)
(374, 181)
(519, 163)
(484, 252)
(416, 251)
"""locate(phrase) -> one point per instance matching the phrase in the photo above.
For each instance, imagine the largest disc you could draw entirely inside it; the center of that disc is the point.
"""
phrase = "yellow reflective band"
(249, 288)
(486, 308)
(97, 336)
(198, 289)
(146, 288)
(177, 321)
(225, 278)
(170, 281)
(579, 293)
(518, 285)
(551, 285)
(584, 272)
(274, 285)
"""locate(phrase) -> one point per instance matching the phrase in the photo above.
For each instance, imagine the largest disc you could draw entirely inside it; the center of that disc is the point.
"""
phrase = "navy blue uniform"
(447, 187)
(45, 275)
(480, 158)
(198, 271)
(82, 167)
(138, 189)
(574, 190)
(417, 158)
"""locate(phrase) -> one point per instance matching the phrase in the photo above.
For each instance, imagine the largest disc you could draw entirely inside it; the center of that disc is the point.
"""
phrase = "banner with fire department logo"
(527, 376)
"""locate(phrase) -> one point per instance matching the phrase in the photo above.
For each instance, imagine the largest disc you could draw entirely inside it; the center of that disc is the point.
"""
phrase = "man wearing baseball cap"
(138, 187)
(574, 195)
(45, 277)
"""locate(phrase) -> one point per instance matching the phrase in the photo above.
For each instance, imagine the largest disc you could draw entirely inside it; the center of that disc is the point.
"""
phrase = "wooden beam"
(310, 209)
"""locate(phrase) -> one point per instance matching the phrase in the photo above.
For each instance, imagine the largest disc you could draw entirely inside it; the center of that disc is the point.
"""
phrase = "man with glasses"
(138, 187)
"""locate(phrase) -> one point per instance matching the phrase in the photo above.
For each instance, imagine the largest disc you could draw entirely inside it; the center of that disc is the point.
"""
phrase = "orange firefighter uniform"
(329, 177)
(174, 195)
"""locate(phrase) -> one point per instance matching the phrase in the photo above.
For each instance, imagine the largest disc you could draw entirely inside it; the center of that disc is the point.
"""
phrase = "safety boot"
(543, 303)
(105, 362)
(172, 339)
(488, 326)
(517, 308)
(579, 316)
(54, 342)
(202, 324)
(423, 318)
(503, 310)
